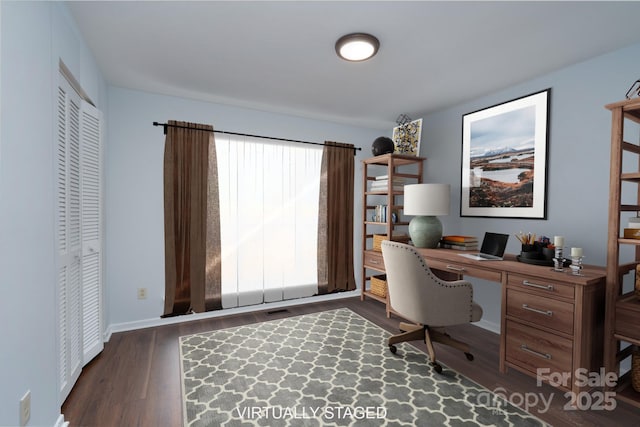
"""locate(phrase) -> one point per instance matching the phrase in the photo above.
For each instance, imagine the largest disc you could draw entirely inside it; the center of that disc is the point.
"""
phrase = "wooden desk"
(548, 319)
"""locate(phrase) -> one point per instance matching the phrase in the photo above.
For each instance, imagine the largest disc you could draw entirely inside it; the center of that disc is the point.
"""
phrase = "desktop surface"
(590, 274)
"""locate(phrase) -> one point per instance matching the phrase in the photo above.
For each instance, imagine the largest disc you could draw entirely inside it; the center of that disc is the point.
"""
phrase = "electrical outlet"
(142, 293)
(25, 408)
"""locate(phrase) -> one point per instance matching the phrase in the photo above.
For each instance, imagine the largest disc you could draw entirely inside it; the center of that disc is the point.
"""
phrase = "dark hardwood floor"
(135, 381)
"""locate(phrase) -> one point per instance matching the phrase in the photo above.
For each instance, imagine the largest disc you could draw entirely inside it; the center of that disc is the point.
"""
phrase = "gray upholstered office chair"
(416, 294)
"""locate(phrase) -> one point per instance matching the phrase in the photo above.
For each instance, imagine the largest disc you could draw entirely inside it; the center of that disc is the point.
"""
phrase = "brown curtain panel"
(192, 220)
(335, 224)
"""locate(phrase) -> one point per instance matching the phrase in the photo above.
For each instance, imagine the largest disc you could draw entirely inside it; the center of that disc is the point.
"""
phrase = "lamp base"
(425, 231)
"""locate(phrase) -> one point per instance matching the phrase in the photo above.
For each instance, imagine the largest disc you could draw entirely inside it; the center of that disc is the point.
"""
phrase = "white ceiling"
(280, 57)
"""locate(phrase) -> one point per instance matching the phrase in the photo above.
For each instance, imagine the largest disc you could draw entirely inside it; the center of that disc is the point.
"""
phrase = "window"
(269, 194)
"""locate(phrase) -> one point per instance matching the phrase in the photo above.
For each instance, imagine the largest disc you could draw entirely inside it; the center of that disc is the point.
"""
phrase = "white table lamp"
(426, 201)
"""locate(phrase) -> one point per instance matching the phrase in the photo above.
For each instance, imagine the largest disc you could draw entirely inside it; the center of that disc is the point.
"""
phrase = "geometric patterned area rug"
(332, 368)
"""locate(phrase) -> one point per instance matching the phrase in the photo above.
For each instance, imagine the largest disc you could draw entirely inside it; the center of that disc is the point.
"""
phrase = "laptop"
(492, 249)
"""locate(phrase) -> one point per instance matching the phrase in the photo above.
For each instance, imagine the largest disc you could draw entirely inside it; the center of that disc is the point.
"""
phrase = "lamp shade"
(427, 199)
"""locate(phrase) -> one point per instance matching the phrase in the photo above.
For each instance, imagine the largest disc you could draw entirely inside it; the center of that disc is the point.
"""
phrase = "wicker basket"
(377, 241)
(379, 285)
(635, 369)
(379, 238)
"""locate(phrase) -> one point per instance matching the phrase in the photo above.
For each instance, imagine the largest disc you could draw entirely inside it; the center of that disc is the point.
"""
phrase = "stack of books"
(463, 243)
(381, 183)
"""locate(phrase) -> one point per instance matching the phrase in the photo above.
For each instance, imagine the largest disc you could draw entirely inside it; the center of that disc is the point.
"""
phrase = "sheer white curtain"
(268, 219)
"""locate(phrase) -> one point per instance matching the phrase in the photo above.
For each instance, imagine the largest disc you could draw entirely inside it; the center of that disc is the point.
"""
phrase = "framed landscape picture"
(504, 159)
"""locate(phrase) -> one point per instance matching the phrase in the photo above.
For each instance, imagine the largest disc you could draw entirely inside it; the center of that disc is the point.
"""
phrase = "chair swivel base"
(411, 332)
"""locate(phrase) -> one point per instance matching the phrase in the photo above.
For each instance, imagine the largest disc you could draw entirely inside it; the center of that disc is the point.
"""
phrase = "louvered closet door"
(68, 238)
(91, 230)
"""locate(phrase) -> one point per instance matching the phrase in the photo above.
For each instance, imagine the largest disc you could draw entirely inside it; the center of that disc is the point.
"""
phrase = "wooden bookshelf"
(622, 315)
(394, 166)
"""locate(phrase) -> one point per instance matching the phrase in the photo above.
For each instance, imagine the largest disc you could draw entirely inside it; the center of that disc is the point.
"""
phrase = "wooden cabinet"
(553, 320)
(382, 210)
(549, 319)
(622, 321)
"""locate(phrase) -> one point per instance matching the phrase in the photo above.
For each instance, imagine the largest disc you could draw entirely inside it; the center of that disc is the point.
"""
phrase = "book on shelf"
(385, 188)
(634, 222)
(386, 178)
(460, 239)
(384, 185)
(381, 212)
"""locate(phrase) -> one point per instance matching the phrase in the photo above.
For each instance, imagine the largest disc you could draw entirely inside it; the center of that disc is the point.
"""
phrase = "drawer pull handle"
(373, 262)
(451, 267)
(524, 347)
(535, 310)
(535, 285)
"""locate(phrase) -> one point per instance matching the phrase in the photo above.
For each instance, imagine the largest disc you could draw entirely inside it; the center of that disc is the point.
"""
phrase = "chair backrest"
(418, 295)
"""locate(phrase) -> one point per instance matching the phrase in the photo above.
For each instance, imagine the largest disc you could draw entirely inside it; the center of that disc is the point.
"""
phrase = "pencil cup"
(548, 253)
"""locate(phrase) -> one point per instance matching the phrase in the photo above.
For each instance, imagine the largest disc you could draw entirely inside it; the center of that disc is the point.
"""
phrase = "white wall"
(134, 184)
(34, 35)
(578, 165)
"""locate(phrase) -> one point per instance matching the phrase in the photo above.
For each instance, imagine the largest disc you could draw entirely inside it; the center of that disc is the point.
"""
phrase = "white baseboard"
(148, 323)
(488, 325)
(60, 422)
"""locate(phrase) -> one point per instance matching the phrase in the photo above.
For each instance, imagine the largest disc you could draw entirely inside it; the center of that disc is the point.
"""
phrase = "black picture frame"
(504, 159)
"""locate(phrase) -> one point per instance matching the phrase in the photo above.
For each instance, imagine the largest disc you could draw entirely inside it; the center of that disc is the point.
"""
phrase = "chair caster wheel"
(437, 368)
(393, 349)
(469, 356)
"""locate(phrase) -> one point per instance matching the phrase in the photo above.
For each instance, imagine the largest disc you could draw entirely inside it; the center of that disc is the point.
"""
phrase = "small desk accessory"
(576, 261)
(558, 259)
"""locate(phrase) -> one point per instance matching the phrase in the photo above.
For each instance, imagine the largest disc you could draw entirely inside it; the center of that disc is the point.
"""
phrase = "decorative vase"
(425, 231)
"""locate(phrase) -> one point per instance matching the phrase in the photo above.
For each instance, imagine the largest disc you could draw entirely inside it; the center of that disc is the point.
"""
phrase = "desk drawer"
(531, 349)
(540, 286)
(542, 311)
(373, 260)
(466, 270)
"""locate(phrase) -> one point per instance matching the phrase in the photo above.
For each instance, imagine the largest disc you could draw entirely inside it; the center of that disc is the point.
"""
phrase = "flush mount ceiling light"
(357, 47)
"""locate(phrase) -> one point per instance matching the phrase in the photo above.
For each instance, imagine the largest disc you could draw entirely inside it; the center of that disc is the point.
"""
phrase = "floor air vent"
(272, 312)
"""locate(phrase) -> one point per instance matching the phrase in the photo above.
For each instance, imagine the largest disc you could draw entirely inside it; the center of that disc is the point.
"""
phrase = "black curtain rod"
(165, 125)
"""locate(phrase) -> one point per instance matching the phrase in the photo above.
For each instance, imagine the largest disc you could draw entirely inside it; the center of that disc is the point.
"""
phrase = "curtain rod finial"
(164, 126)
